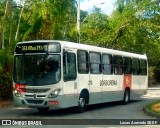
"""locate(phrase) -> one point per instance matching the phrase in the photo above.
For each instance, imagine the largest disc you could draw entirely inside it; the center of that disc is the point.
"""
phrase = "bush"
(151, 79)
(6, 60)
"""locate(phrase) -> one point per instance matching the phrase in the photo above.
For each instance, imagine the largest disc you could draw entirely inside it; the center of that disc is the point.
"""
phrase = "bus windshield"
(37, 70)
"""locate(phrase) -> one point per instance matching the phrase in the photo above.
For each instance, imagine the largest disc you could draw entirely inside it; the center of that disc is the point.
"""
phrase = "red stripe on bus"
(127, 81)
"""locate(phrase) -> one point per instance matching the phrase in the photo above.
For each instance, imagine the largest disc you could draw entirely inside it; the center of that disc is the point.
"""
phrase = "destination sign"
(34, 48)
(38, 48)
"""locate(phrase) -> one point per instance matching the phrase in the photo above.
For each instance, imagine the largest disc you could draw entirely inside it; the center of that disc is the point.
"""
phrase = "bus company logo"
(34, 96)
(127, 81)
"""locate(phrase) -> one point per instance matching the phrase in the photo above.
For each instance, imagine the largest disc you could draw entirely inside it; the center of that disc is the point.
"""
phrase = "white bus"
(60, 74)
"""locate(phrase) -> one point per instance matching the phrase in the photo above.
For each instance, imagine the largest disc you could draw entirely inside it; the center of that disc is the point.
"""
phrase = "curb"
(150, 113)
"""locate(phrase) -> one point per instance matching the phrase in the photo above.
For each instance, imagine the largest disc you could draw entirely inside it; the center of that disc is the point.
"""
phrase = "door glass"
(69, 66)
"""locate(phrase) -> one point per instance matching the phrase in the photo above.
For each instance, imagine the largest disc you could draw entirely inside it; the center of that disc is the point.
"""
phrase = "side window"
(127, 65)
(118, 67)
(95, 63)
(135, 66)
(69, 66)
(143, 67)
(107, 64)
(82, 59)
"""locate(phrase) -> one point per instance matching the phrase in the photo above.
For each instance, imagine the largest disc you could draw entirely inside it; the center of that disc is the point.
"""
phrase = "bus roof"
(81, 46)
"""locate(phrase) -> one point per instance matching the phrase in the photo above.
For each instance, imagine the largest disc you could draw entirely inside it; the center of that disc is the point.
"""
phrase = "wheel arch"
(127, 89)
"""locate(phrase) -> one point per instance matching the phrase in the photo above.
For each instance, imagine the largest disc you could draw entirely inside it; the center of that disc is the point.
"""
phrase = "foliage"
(154, 108)
(6, 74)
(135, 28)
(53, 20)
(94, 28)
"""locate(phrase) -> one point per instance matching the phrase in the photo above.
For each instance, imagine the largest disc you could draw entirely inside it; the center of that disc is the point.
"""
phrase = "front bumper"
(38, 102)
(61, 101)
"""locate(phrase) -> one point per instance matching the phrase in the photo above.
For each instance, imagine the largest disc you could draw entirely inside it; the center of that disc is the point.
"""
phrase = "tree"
(51, 20)
(94, 28)
(19, 21)
(135, 28)
(3, 25)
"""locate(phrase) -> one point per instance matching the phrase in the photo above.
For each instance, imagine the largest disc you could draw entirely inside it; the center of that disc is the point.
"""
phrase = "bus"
(59, 74)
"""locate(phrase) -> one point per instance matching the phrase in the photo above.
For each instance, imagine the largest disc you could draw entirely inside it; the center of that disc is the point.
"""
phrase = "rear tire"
(126, 98)
(82, 103)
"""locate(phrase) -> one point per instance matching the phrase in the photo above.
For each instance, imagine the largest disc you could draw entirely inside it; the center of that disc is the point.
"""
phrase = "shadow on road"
(72, 110)
(108, 105)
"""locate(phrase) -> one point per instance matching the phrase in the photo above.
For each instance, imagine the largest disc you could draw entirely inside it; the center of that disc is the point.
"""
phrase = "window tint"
(135, 66)
(69, 66)
(107, 64)
(127, 65)
(95, 60)
(118, 67)
(143, 67)
(82, 58)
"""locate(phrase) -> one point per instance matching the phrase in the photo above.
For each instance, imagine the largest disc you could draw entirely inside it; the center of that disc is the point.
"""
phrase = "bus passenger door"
(69, 78)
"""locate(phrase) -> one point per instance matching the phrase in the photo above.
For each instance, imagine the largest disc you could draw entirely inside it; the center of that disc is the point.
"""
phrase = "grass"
(154, 107)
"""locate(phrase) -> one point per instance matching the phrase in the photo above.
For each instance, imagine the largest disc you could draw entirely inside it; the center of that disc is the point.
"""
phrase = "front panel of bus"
(37, 74)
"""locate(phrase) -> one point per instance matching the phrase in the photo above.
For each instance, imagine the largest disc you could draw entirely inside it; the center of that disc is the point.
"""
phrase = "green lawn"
(154, 107)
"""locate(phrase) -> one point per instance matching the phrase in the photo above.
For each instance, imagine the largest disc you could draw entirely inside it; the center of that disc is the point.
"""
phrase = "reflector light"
(53, 102)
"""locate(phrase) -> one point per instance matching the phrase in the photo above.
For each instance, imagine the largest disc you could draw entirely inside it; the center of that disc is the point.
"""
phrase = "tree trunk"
(19, 21)
(11, 18)
(3, 26)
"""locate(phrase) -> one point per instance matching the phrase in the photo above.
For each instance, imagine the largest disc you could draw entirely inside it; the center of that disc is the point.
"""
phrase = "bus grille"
(37, 96)
(35, 101)
(28, 90)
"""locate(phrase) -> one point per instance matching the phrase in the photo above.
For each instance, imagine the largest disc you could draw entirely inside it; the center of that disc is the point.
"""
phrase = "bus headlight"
(16, 93)
(54, 93)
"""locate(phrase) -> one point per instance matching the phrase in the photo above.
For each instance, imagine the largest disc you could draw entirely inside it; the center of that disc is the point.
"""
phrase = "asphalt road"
(112, 110)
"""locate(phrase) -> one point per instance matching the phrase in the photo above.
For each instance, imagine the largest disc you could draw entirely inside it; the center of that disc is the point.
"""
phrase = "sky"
(107, 7)
(87, 5)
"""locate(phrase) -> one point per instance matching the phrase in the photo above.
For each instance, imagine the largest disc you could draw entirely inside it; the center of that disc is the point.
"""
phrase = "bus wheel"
(43, 110)
(82, 103)
(126, 97)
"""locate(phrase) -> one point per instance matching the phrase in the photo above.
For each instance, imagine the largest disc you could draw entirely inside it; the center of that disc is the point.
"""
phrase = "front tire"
(82, 103)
